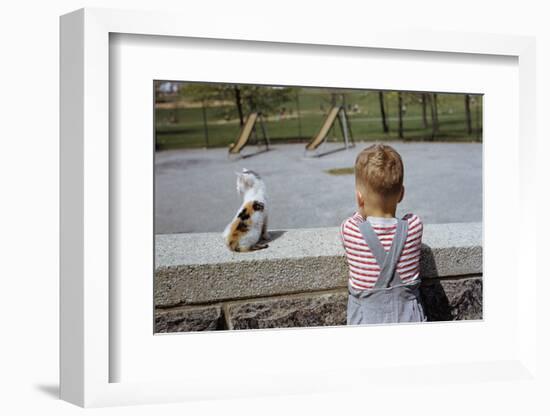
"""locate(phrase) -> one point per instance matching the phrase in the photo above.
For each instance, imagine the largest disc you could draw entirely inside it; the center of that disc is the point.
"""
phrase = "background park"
(439, 136)
(211, 115)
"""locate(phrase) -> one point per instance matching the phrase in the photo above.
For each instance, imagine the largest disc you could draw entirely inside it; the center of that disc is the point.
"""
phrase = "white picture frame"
(86, 357)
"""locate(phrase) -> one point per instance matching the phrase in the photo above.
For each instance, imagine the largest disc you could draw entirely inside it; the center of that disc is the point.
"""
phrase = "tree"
(424, 117)
(208, 93)
(436, 110)
(385, 127)
(400, 113)
(239, 104)
(265, 99)
(468, 113)
(435, 119)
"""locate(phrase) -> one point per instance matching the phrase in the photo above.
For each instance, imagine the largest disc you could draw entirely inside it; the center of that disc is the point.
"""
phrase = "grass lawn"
(184, 127)
(341, 171)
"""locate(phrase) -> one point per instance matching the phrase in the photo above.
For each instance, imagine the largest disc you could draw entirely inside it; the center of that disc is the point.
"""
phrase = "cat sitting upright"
(249, 227)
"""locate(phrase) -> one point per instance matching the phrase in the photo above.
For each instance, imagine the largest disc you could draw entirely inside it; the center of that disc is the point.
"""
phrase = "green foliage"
(204, 93)
(252, 97)
(312, 105)
(266, 99)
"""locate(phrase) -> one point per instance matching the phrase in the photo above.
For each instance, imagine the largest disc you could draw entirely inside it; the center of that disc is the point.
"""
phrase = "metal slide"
(245, 134)
(322, 135)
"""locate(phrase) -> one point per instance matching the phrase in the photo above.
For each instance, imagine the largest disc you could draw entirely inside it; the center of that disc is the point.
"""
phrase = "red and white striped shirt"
(363, 268)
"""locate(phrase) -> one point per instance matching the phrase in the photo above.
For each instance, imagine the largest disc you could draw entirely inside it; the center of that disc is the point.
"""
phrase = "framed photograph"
(288, 249)
(238, 212)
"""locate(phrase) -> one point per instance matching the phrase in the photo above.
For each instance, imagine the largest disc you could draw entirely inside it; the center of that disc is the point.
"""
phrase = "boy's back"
(363, 268)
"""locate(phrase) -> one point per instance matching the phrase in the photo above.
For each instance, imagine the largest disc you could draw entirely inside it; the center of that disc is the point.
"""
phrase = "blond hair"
(380, 168)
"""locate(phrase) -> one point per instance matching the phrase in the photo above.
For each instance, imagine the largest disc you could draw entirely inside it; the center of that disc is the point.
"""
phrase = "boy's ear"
(359, 198)
(402, 195)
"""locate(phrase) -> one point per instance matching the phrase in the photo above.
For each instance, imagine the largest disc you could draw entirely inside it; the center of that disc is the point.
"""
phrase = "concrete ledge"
(198, 268)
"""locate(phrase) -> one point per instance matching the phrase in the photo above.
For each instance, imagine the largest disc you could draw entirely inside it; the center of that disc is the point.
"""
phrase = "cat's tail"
(255, 247)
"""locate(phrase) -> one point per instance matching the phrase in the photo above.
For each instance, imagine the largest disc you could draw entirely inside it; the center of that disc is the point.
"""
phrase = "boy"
(383, 252)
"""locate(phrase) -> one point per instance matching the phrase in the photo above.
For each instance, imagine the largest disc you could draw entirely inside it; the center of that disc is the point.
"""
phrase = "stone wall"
(300, 280)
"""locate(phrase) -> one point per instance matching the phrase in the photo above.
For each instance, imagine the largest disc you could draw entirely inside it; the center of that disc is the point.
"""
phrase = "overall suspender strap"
(371, 238)
(386, 261)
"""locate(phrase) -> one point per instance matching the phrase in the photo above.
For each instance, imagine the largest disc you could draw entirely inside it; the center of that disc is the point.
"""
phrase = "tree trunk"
(383, 112)
(436, 111)
(479, 126)
(424, 116)
(239, 105)
(435, 121)
(400, 114)
(468, 114)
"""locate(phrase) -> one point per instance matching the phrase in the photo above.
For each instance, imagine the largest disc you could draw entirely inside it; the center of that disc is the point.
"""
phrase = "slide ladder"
(247, 131)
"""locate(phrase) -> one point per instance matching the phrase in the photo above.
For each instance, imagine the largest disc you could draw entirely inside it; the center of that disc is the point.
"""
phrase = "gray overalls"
(390, 300)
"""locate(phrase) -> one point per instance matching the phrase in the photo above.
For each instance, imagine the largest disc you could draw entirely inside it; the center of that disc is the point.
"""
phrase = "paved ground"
(195, 189)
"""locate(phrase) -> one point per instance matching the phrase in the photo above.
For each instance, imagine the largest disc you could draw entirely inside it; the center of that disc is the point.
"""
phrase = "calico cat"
(249, 227)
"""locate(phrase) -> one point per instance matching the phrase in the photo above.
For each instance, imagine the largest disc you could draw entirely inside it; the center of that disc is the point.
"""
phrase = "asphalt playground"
(195, 189)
